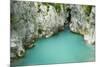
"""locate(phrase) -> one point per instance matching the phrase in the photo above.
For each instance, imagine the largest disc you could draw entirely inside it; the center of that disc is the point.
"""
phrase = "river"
(64, 47)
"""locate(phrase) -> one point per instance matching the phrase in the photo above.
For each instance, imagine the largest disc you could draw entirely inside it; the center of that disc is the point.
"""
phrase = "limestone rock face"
(83, 21)
(32, 20)
(22, 26)
(48, 20)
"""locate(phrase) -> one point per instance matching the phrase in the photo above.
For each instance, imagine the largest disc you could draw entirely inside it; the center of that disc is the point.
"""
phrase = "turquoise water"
(65, 47)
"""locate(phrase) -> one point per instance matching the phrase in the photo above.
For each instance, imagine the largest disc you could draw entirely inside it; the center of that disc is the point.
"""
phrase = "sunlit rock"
(83, 21)
(33, 20)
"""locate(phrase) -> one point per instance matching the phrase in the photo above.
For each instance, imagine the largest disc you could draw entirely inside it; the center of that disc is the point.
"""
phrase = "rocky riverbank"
(83, 22)
(33, 20)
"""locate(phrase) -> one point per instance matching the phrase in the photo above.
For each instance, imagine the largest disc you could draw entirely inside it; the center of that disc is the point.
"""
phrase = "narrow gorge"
(31, 21)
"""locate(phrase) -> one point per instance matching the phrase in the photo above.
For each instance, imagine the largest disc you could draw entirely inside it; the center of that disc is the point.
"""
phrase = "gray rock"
(33, 20)
(83, 22)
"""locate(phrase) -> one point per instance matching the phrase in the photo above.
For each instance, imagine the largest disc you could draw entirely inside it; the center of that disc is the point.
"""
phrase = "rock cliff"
(33, 20)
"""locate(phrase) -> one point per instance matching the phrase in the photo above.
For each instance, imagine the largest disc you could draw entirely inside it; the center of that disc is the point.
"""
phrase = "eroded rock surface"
(30, 21)
(33, 20)
(83, 21)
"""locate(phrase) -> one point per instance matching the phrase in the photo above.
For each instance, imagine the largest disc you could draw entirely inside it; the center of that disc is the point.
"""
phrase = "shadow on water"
(65, 47)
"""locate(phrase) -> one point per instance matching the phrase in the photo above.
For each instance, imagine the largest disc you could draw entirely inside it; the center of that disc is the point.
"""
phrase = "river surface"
(65, 47)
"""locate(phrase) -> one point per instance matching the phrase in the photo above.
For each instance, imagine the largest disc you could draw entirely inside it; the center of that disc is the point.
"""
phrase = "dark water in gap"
(65, 47)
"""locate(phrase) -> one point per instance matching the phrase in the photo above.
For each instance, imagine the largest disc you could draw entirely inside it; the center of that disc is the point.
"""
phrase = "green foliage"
(13, 19)
(87, 9)
(39, 31)
(57, 6)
